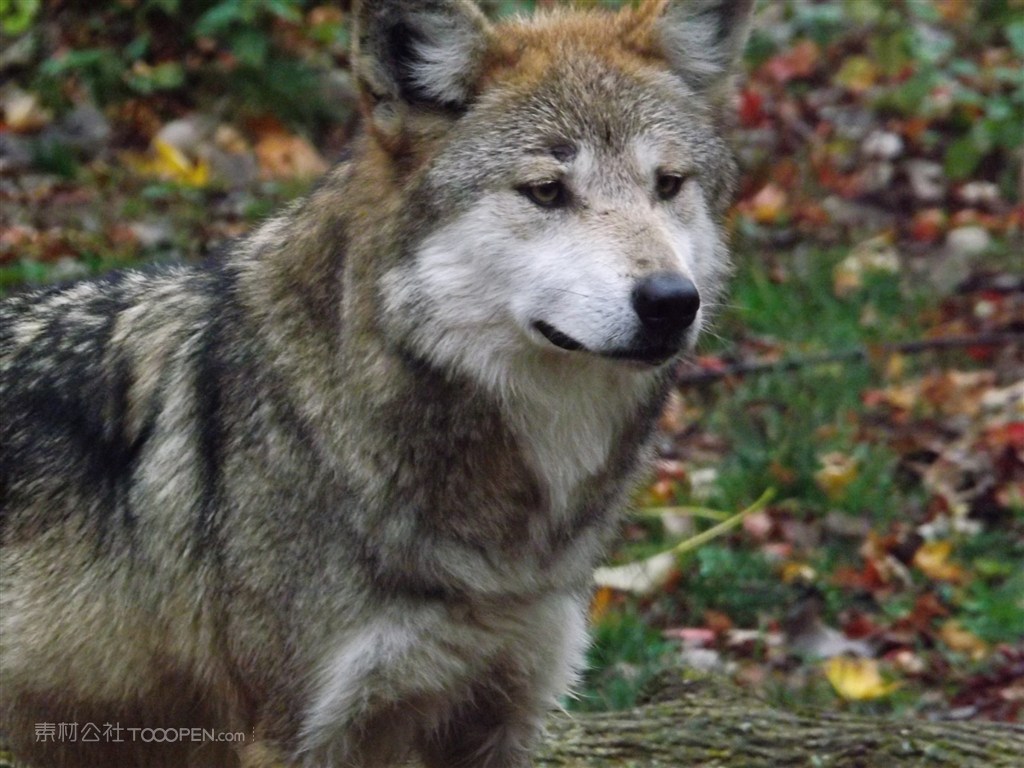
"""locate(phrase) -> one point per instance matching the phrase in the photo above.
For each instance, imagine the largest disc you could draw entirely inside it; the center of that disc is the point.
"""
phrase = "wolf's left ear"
(703, 40)
(423, 53)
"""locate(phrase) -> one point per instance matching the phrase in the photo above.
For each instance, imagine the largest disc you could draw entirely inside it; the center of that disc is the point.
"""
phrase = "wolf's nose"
(666, 303)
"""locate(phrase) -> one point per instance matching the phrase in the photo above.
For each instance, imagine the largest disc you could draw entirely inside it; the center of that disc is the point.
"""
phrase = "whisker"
(575, 293)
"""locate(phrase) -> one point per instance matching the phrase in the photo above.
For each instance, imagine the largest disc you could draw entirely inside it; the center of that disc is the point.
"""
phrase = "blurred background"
(853, 429)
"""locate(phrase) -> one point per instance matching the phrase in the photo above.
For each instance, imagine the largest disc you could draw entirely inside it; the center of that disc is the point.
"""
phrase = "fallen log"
(695, 721)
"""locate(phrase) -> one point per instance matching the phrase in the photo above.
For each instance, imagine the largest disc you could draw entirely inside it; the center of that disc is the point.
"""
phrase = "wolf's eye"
(547, 194)
(668, 185)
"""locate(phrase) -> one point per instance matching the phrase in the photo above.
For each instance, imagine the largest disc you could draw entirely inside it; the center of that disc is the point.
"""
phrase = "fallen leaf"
(22, 112)
(751, 108)
(798, 573)
(857, 679)
(857, 74)
(837, 472)
(928, 225)
(908, 662)
(600, 604)
(873, 256)
(695, 637)
(954, 11)
(932, 559)
(960, 639)
(768, 205)
(799, 61)
(639, 578)
(927, 608)
(285, 156)
(717, 621)
(165, 161)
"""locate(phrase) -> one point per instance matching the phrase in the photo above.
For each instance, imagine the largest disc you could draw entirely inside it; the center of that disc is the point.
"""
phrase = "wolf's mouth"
(651, 355)
(559, 339)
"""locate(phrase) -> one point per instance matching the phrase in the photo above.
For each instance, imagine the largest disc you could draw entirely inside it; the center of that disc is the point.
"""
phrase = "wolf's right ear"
(421, 53)
(702, 40)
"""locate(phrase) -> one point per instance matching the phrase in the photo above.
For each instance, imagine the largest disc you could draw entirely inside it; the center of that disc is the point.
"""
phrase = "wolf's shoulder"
(79, 314)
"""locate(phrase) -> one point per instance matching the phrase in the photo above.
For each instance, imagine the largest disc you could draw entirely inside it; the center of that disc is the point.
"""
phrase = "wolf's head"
(562, 178)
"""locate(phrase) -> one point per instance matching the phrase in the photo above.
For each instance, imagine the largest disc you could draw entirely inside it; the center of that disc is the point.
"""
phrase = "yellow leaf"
(794, 573)
(876, 255)
(171, 163)
(857, 74)
(284, 156)
(932, 559)
(857, 679)
(768, 205)
(837, 472)
(963, 640)
(166, 161)
(171, 158)
(600, 604)
(895, 366)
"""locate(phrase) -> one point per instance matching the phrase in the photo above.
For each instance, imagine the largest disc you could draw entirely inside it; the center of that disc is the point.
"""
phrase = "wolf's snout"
(666, 303)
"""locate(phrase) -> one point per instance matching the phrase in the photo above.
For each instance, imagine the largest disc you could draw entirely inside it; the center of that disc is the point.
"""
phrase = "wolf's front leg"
(485, 734)
(499, 725)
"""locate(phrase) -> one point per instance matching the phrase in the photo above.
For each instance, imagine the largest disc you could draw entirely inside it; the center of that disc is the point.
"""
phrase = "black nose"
(666, 303)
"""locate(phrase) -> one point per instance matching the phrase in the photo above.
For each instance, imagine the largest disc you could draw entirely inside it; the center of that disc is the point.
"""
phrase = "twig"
(714, 531)
(698, 375)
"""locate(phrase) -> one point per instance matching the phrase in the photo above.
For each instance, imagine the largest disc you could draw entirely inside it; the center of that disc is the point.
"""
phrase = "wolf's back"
(83, 370)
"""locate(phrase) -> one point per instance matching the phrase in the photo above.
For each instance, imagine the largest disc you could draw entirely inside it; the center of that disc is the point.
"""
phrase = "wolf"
(334, 499)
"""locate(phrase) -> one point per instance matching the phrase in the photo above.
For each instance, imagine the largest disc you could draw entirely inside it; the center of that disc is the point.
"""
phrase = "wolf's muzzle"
(667, 304)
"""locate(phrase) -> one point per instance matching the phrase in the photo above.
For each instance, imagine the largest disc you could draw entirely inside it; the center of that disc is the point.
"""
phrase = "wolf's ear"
(424, 53)
(703, 40)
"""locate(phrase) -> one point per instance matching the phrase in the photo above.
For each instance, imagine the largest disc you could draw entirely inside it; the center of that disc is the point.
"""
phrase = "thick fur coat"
(341, 492)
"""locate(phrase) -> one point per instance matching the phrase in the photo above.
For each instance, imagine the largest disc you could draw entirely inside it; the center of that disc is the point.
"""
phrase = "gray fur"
(291, 493)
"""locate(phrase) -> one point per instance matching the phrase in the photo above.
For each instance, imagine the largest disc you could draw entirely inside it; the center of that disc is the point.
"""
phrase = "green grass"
(624, 656)
(778, 425)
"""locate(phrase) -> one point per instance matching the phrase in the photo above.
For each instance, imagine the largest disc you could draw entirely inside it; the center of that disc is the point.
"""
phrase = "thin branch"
(697, 375)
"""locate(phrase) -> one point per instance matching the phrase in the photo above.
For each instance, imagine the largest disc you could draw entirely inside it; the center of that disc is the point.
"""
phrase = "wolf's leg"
(262, 754)
(500, 723)
(485, 735)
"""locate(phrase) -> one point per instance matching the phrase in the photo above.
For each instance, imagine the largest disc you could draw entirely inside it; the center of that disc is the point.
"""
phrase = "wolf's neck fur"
(567, 414)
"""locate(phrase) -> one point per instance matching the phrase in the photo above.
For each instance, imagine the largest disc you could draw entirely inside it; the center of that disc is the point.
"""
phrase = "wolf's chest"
(406, 668)
(571, 435)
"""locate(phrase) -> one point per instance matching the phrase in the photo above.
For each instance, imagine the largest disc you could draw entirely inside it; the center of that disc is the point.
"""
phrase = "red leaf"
(751, 108)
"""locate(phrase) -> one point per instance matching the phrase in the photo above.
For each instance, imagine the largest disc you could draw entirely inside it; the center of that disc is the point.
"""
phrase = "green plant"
(17, 15)
(271, 54)
(624, 656)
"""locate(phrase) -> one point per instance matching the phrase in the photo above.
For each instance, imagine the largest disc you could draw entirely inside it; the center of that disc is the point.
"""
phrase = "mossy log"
(701, 721)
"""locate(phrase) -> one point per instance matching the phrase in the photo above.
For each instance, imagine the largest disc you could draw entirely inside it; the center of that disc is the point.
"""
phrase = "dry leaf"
(932, 559)
(600, 604)
(798, 573)
(639, 578)
(875, 255)
(837, 472)
(285, 156)
(768, 205)
(857, 74)
(22, 112)
(167, 162)
(963, 640)
(857, 679)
